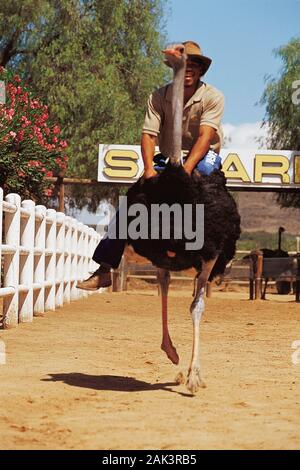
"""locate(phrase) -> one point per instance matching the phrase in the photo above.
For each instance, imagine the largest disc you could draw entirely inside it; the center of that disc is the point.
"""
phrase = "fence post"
(11, 262)
(81, 255)
(67, 258)
(208, 289)
(74, 291)
(118, 277)
(86, 253)
(125, 274)
(39, 262)
(257, 261)
(251, 276)
(80, 251)
(95, 239)
(50, 259)
(298, 279)
(26, 263)
(60, 254)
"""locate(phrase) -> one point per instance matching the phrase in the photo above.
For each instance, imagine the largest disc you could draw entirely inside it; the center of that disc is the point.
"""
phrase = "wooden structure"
(147, 272)
(281, 269)
(249, 271)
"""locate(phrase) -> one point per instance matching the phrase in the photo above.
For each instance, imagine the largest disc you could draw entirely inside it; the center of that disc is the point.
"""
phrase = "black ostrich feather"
(221, 218)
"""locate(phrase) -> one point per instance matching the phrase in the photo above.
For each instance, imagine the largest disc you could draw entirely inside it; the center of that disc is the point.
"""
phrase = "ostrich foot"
(170, 351)
(180, 379)
(194, 381)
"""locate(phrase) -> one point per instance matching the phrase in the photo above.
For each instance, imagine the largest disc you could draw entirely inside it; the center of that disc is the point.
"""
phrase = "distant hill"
(260, 212)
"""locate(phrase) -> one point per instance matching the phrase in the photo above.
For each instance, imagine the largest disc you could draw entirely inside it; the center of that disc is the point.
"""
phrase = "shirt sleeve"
(154, 115)
(213, 110)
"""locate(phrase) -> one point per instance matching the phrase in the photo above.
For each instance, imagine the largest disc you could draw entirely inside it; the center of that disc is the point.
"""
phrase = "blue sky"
(239, 35)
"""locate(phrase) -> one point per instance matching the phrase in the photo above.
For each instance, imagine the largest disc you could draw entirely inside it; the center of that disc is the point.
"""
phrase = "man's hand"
(149, 173)
(200, 148)
(148, 149)
(188, 169)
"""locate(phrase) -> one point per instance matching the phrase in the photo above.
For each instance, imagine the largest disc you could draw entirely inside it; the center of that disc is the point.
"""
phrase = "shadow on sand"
(113, 383)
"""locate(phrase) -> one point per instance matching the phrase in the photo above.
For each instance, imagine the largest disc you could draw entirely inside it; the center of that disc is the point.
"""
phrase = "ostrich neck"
(175, 140)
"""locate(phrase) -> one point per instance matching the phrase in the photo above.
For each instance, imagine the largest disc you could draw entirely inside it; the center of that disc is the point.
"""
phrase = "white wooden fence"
(43, 254)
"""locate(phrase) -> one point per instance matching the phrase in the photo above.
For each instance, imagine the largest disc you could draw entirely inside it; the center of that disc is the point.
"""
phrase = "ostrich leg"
(194, 381)
(163, 277)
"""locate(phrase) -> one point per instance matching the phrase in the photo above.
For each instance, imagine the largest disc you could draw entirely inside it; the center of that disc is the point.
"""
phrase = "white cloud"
(246, 135)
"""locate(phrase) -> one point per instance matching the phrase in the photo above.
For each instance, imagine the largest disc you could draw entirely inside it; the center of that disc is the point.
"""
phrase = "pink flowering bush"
(31, 148)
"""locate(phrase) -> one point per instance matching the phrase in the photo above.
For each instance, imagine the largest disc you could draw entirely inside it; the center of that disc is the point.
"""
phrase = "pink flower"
(17, 79)
(20, 136)
(48, 192)
(12, 134)
(24, 97)
(25, 121)
(12, 90)
(9, 113)
(34, 163)
(56, 130)
(21, 174)
(34, 104)
(63, 144)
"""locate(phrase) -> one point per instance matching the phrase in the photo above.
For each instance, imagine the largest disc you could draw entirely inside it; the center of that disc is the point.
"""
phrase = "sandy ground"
(92, 376)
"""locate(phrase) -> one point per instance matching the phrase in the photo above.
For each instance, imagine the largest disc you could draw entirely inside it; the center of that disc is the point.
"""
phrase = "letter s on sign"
(121, 163)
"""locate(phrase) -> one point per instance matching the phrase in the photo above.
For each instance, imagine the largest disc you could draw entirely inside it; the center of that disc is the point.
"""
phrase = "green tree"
(283, 109)
(93, 62)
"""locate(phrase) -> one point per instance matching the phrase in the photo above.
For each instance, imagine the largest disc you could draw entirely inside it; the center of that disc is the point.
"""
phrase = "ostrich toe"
(180, 379)
(194, 381)
(170, 351)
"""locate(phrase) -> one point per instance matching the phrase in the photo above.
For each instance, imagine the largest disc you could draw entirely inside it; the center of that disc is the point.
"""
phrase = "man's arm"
(200, 148)
(148, 148)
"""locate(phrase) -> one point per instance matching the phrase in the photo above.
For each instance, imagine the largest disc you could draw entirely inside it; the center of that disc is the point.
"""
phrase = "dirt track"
(92, 376)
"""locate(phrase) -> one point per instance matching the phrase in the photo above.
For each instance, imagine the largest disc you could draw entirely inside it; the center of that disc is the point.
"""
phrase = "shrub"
(31, 148)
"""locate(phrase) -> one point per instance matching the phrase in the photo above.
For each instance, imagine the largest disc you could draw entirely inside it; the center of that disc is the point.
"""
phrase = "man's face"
(192, 73)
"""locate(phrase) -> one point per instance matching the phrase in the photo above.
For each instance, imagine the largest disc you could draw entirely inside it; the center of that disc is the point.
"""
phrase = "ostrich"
(221, 223)
(278, 253)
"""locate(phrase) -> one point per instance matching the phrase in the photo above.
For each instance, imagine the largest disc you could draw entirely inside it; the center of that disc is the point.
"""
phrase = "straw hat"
(193, 50)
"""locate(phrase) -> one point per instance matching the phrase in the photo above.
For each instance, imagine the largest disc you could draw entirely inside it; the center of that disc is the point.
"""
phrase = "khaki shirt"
(205, 107)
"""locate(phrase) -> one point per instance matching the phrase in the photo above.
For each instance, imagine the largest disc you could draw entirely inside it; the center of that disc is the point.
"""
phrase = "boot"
(100, 278)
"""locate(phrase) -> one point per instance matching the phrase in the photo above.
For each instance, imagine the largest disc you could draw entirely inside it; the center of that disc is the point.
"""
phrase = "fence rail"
(43, 254)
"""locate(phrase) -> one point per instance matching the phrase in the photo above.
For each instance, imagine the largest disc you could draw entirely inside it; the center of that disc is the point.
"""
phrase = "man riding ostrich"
(185, 114)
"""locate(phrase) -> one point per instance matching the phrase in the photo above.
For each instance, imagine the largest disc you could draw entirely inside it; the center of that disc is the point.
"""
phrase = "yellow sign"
(242, 167)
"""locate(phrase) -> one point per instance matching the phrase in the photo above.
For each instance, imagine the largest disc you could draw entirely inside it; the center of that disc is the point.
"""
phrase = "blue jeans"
(210, 162)
(110, 251)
